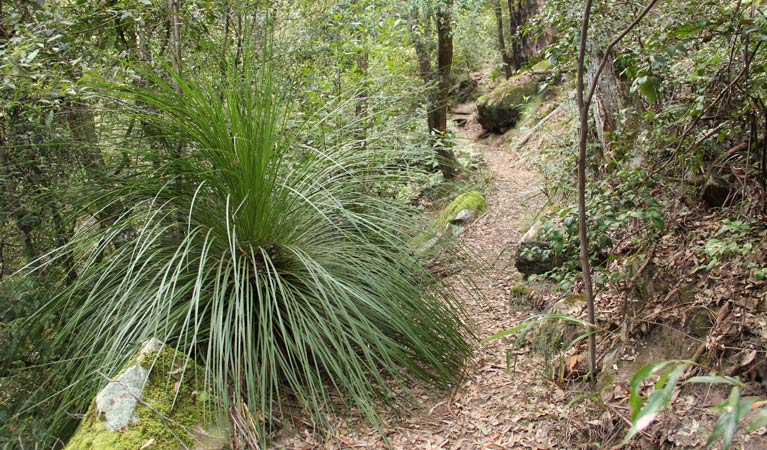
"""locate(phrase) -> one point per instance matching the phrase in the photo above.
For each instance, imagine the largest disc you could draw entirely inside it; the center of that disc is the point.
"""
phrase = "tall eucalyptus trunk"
(437, 79)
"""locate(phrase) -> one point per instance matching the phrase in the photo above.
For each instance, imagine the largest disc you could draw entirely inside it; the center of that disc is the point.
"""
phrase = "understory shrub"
(269, 263)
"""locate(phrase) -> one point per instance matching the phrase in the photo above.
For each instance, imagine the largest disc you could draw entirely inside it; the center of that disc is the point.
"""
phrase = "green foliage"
(613, 204)
(270, 264)
(760, 274)
(730, 239)
(731, 411)
(644, 413)
(648, 86)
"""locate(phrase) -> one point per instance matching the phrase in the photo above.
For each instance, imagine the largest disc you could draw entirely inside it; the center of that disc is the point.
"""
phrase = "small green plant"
(611, 208)
(554, 345)
(644, 409)
(730, 239)
(537, 252)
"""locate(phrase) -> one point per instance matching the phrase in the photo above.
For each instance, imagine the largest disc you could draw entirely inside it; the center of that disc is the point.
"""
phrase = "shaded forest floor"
(505, 399)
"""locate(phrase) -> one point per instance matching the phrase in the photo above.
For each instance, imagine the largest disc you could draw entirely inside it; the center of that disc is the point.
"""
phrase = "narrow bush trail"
(505, 400)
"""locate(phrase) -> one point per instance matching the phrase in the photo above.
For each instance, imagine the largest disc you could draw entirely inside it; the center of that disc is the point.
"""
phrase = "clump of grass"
(273, 267)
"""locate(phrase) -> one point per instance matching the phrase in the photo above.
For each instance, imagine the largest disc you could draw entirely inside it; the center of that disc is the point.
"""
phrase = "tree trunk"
(173, 9)
(446, 158)
(507, 62)
(422, 45)
(520, 11)
(584, 100)
(609, 100)
(583, 113)
(82, 125)
(437, 80)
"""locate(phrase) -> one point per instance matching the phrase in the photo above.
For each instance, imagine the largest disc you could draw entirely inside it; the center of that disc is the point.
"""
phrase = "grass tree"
(268, 262)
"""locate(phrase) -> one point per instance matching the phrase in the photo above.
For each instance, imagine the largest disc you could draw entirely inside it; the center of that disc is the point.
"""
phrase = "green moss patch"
(474, 201)
(171, 413)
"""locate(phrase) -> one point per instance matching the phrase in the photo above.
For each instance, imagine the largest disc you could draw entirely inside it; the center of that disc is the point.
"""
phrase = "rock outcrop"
(534, 255)
(720, 189)
(155, 403)
(502, 108)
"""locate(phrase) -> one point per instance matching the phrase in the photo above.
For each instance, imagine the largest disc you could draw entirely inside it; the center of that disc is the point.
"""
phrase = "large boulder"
(157, 402)
(720, 189)
(501, 109)
(534, 255)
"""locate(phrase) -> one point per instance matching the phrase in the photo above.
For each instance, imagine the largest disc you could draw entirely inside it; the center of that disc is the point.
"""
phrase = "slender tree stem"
(583, 110)
(173, 8)
(584, 102)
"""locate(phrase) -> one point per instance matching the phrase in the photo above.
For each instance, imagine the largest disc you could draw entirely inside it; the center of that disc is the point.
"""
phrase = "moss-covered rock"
(556, 335)
(541, 66)
(501, 109)
(168, 410)
(472, 201)
(465, 208)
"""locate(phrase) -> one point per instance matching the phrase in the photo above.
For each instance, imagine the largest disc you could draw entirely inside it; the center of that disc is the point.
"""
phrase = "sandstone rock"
(117, 402)
(534, 255)
(472, 202)
(465, 216)
(719, 190)
(501, 109)
(453, 220)
(156, 402)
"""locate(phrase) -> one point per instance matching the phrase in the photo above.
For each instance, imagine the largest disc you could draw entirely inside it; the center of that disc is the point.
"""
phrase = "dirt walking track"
(497, 405)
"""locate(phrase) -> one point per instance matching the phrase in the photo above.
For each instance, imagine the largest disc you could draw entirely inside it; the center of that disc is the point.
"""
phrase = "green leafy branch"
(644, 410)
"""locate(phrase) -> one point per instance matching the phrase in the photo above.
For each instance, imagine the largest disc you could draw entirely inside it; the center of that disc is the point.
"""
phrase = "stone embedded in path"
(465, 216)
(472, 202)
